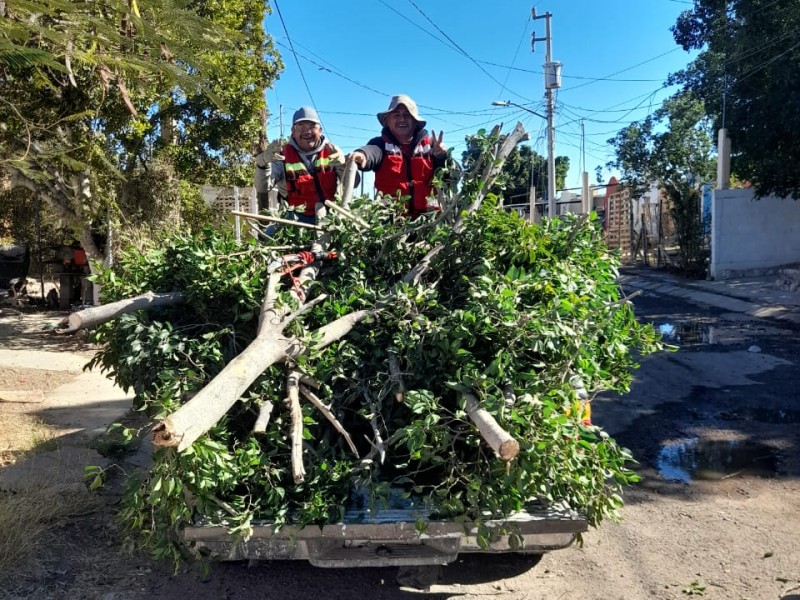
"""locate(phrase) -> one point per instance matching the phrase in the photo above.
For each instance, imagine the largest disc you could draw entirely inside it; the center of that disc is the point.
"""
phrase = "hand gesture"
(438, 148)
(273, 151)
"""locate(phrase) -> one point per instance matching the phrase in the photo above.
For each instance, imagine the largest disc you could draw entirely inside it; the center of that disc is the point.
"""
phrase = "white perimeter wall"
(752, 235)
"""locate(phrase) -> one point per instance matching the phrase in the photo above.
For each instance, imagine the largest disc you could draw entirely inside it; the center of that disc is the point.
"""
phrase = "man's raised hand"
(437, 146)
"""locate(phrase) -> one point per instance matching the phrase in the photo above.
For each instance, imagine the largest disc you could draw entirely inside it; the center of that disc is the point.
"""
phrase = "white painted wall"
(752, 235)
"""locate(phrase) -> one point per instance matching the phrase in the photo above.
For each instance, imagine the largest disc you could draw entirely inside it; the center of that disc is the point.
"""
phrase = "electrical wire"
(462, 51)
(605, 78)
(299, 68)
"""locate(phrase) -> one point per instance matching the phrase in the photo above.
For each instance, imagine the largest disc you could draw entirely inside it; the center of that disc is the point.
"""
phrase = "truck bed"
(388, 538)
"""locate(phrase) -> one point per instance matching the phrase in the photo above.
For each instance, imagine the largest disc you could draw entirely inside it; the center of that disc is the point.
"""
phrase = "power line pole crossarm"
(552, 81)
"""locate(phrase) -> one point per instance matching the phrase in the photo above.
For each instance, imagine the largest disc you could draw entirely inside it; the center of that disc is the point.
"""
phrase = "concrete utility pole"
(552, 81)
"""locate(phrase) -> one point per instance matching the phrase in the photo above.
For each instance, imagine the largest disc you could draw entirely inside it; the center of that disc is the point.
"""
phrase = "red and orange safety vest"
(304, 188)
(408, 175)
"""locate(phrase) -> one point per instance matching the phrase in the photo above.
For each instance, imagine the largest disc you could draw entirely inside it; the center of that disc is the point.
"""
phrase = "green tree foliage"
(509, 311)
(523, 168)
(94, 93)
(672, 148)
(746, 75)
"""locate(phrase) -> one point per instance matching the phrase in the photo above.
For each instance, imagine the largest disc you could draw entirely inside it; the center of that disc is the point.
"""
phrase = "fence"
(227, 199)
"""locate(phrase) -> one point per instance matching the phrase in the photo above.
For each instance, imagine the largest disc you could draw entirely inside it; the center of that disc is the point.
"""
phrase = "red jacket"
(304, 188)
(410, 174)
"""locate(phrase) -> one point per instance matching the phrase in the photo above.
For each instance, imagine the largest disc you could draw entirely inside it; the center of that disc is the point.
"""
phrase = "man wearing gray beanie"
(306, 171)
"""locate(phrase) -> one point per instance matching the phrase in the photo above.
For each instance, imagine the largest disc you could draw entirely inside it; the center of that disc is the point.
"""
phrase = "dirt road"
(717, 515)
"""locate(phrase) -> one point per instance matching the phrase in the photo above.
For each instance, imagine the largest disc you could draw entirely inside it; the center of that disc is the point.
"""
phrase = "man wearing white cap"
(405, 157)
(307, 170)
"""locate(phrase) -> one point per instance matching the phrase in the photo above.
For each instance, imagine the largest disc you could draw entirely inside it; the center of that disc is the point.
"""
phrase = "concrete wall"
(752, 237)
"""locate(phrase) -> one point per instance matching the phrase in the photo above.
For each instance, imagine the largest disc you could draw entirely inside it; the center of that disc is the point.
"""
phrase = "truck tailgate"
(391, 538)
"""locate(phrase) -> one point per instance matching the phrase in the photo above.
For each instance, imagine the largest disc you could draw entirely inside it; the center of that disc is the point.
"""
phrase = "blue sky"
(455, 58)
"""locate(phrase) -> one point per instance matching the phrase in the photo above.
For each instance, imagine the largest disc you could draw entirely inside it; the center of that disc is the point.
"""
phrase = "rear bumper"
(383, 544)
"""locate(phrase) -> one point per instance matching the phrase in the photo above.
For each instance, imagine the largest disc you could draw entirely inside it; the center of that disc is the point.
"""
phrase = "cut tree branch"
(203, 411)
(264, 415)
(91, 317)
(296, 414)
(348, 181)
(330, 416)
(198, 415)
(276, 220)
(498, 438)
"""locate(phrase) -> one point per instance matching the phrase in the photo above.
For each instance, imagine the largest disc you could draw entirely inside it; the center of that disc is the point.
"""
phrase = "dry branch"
(91, 317)
(277, 220)
(296, 414)
(330, 416)
(498, 438)
(346, 214)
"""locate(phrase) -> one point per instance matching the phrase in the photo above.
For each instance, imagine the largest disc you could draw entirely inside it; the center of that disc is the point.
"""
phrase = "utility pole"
(552, 80)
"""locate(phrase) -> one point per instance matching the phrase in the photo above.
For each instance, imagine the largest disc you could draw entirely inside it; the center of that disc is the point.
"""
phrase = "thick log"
(201, 413)
(91, 317)
(498, 438)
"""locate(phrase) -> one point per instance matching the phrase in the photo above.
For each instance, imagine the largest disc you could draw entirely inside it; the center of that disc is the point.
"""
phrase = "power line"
(644, 62)
(291, 46)
(462, 51)
(565, 76)
(336, 72)
(514, 59)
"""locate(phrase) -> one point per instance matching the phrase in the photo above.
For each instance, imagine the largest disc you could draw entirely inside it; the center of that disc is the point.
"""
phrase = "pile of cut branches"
(447, 357)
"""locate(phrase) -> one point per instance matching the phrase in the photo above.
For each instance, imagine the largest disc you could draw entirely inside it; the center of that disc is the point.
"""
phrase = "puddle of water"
(688, 333)
(711, 460)
(776, 416)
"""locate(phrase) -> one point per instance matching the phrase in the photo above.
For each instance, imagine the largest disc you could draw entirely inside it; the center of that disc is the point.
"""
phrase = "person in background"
(76, 262)
(405, 157)
(308, 170)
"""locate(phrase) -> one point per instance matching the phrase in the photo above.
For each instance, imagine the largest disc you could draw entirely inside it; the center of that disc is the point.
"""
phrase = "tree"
(673, 149)
(747, 78)
(94, 93)
(523, 169)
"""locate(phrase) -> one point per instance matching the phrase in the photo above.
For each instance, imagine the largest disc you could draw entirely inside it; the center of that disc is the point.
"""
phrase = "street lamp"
(551, 159)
